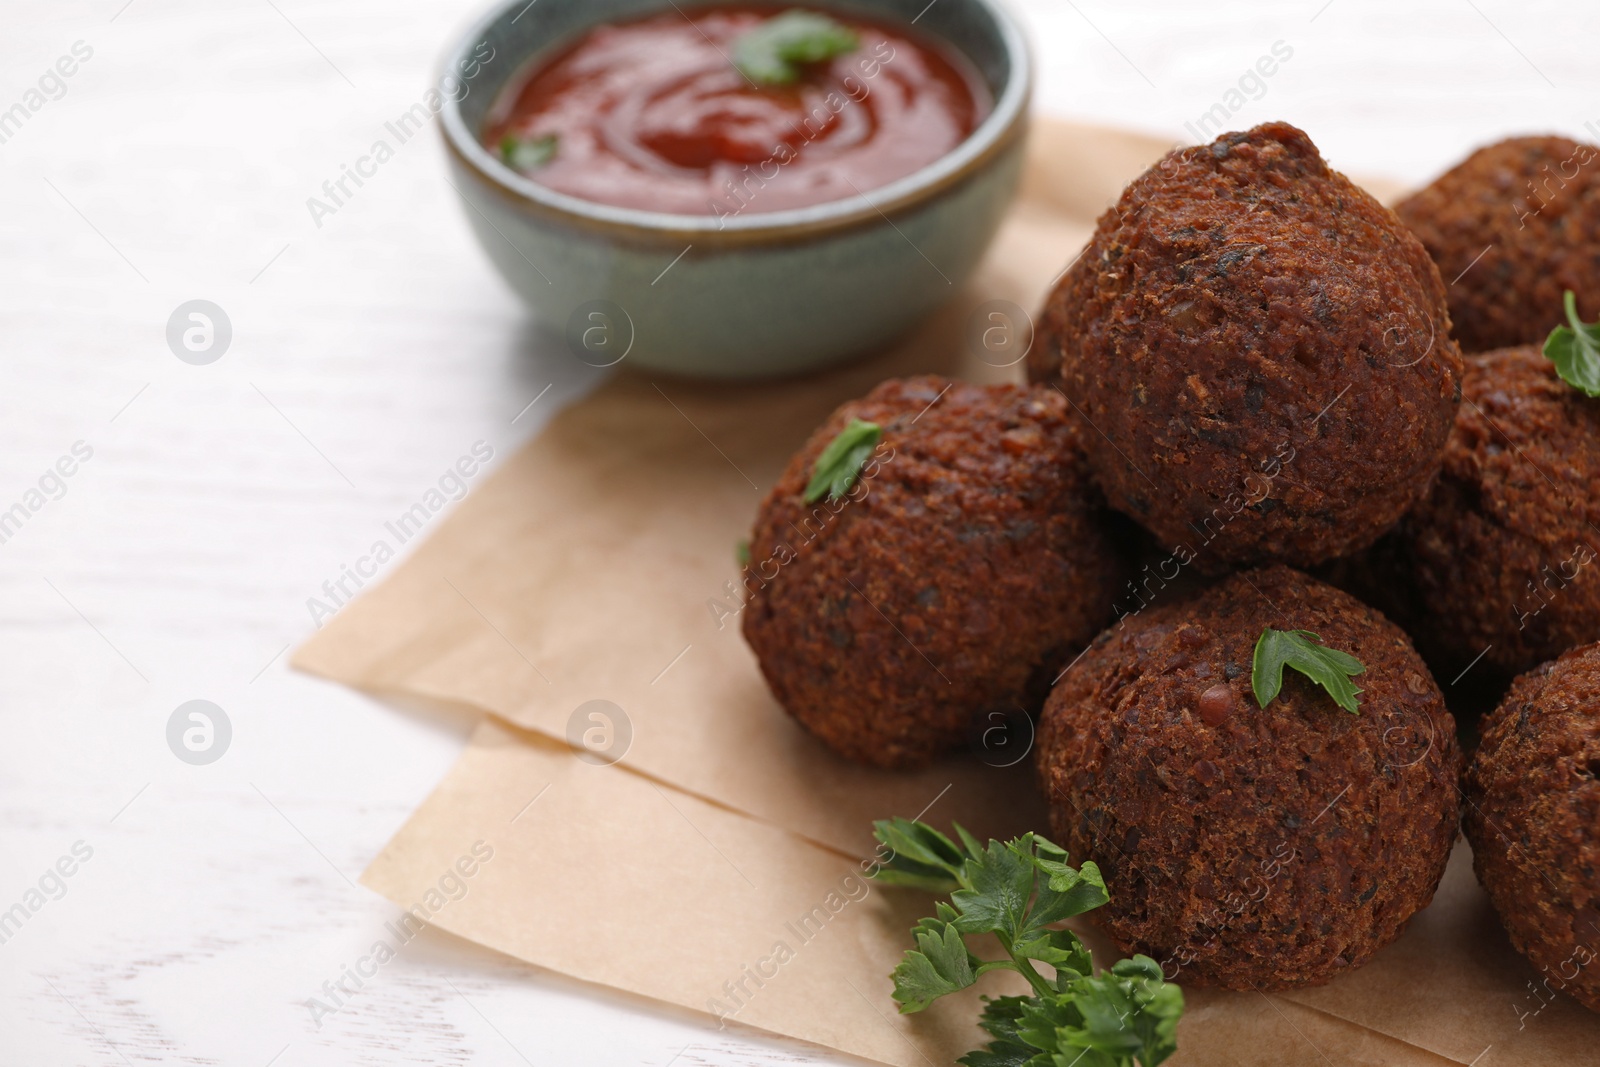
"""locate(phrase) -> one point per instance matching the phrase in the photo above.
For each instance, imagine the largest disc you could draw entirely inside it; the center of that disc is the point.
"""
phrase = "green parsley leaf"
(1061, 949)
(920, 856)
(940, 965)
(836, 469)
(1016, 891)
(741, 552)
(1068, 892)
(1125, 1015)
(1001, 1016)
(1128, 1013)
(528, 153)
(997, 885)
(1575, 350)
(771, 53)
(1305, 652)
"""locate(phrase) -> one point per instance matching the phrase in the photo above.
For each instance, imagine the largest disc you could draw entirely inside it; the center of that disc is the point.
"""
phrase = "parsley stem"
(1024, 967)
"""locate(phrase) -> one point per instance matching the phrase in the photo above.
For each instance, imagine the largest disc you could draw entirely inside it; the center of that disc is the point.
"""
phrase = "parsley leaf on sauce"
(528, 153)
(771, 53)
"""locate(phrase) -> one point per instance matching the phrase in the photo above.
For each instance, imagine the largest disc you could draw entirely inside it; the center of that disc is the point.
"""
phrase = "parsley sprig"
(837, 467)
(1575, 350)
(1019, 891)
(1305, 652)
(771, 53)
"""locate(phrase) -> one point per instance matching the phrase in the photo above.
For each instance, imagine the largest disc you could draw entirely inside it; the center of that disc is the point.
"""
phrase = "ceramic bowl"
(749, 296)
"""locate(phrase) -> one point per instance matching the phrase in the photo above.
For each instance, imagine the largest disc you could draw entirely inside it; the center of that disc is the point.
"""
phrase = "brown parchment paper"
(583, 569)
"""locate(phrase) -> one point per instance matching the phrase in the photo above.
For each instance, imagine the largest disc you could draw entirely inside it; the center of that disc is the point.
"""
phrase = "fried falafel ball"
(1042, 365)
(1260, 351)
(1515, 224)
(1249, 847)
(1383, 578)
(1533, 819)
(1502, 553)
(964, 568)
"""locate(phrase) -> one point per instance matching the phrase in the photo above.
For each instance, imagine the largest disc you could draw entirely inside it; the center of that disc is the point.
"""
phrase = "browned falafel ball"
(960, 573)
(1504, 552)
(1261, 352)
(1514, 225)
(1532, 816)
(1250, 847)
(1383, 577)
(1042, 365)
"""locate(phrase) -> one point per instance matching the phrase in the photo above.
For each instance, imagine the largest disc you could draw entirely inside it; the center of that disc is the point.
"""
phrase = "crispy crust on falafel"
(963, 570)
(1250, 847)
(1533, 819)
(1260, 352)
(1503, 552)
(1514, 225)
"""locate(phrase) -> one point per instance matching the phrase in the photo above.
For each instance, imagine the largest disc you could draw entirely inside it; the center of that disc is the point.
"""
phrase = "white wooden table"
(367, 354)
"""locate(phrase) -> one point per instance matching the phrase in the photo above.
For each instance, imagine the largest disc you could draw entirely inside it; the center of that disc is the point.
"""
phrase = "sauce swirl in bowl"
(655, 114)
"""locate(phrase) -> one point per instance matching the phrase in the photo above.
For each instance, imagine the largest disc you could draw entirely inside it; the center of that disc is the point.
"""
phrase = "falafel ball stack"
(1255, 361)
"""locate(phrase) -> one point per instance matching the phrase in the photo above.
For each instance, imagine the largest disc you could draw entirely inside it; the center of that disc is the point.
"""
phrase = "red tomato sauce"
(653, 114)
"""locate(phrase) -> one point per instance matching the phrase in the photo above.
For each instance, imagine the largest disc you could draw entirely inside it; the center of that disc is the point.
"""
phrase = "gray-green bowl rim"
(1004, 124)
